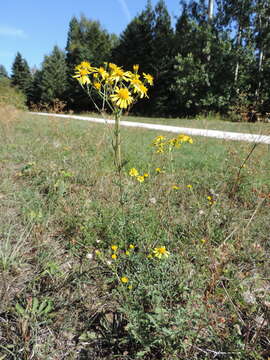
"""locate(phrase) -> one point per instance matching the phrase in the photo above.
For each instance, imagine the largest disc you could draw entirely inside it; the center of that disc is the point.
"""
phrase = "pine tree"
(53, 79)
(21, 75)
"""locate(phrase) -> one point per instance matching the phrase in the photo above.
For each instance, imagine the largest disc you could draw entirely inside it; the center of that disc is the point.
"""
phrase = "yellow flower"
(203, 241)
(103, 73)
(135, 68)
(158, 140)
(131, 246)
(82, 71)
(114, 248)
(122, 97)
(124, 279)
(82, 76)
(86, 65)
(114, 256)
(145, 175)
(185, 138)
(142, 91)
(138, 87)
(133, 172)
(97, 252)
(118, 73)
(127, 253)
(189, 186)
(149, 78)
(161, 252)
(140, 179)
(159, 170)
(97, 85)
(175, 187)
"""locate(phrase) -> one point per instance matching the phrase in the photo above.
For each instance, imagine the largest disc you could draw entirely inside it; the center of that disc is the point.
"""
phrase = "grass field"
(179, 269)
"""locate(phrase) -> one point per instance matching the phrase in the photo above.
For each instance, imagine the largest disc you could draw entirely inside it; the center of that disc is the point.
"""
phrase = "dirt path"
(253, 138)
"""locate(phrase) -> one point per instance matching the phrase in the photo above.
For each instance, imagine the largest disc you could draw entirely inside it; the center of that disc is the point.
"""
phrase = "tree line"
(215, 59)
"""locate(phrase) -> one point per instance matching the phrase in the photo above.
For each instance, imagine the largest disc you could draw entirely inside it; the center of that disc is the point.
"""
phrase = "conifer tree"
(53, 78)
(21, 75)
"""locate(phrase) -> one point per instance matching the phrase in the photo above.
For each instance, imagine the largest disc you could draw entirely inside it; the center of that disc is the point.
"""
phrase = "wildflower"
(127, 253)
(131, 246)
(189, 186)
(159, 171)
(175, 187)
(97, 85)
(114, 256)
(82, 76)
(158, 139)
(149, 78)
(97, 252)
(142, 91)
(136, 84)
(211, 200)
(114, 248)
(89, 256)
(82, 71)
(161, 252)
(103, 73)
(133, 172)
(118, 73)
(122, 97)
(124, 279)
(135, 68)
(145, 175)
(140, 179)
(184, 138)
(203, 241)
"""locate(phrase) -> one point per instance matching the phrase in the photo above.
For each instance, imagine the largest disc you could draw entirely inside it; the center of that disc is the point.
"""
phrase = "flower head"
(133, 172)
(140, 178)
(124, 279)
(161, 252)
(114, 248)
(114, 256)
(149, 78)
(122, 97)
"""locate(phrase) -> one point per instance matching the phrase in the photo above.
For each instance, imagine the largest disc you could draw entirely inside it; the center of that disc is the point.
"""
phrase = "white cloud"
(10, 31)
(125, 9)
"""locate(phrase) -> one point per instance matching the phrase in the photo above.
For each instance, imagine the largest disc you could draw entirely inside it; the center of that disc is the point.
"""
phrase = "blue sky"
(34, 27)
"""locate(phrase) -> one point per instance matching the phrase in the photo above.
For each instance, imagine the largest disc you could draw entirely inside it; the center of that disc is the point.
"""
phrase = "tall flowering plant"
(117, 88)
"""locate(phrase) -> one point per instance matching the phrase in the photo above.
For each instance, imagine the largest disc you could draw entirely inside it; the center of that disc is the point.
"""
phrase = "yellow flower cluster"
(162, 144)
(134, 173)
(119, 88)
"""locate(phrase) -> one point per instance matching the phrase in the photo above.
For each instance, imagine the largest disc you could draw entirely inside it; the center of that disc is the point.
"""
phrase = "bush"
(11, 95)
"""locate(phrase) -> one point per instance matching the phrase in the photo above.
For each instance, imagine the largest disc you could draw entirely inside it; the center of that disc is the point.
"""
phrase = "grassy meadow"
(179, 269)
